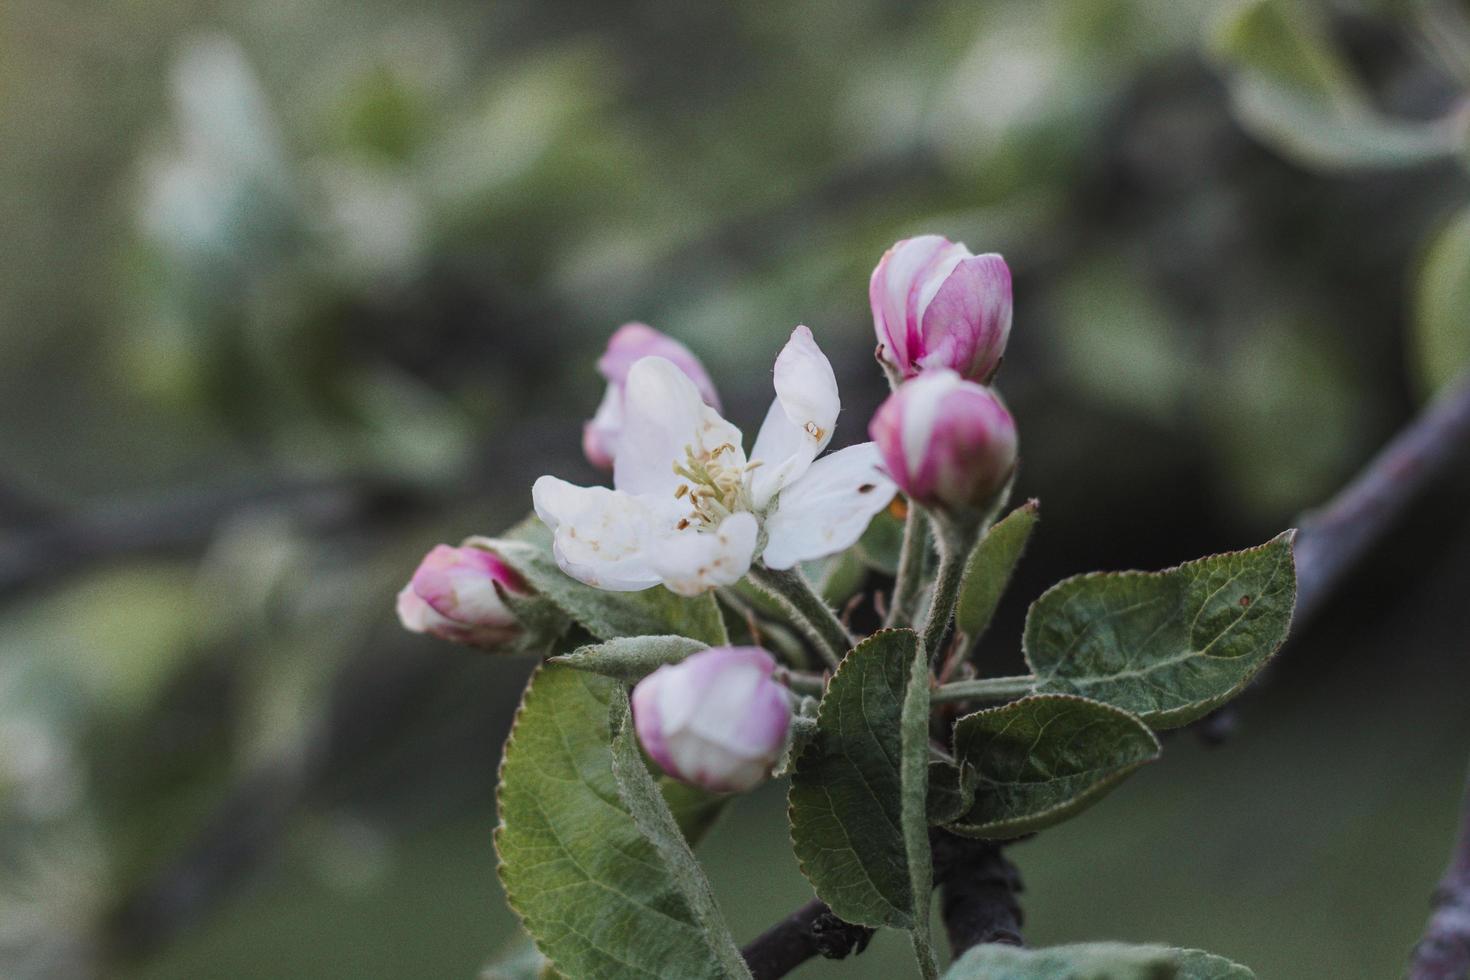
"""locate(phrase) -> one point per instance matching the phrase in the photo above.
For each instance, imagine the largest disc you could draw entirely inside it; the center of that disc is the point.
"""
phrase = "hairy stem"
(910, 580)
(810, 612)
(954, 541)
(984, 689)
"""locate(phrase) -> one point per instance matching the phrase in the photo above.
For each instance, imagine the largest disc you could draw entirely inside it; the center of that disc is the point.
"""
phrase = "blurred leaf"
(1292, 89)
(640, 795)
(1093, 961)
(521, 961)
(1043, 759)
(1168, 646)
(838, 577)
(1442, 306)
(849, 797)
(588, 885)
(631, 658)
(881, 542)
(990, 565)
(606, 615)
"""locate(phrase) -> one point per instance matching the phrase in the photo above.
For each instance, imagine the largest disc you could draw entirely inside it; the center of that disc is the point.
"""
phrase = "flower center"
(715, 486)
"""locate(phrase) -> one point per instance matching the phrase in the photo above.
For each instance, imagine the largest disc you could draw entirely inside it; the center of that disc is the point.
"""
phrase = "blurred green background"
(292, 292)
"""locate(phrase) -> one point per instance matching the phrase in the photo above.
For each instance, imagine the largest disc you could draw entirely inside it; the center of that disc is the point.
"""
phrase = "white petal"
(663, 416)
(601, 536)
(800, 422)
(691, 561)
(828, 509)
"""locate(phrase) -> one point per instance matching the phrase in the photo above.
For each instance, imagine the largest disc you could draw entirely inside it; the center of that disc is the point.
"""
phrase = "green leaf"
(1093, 961)
(1167, 646)
(951, 791)
(631, 658)
(849, 798)
(1196, 964)
(606, 615)
(640, 794)
(1291, 87)
(880, 544)
(1442, 306)
(989, 567)
(1043, 759)
(589, 887)
(1084, 961)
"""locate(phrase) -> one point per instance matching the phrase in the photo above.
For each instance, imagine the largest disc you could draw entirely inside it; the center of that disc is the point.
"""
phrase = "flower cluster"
(690, 509)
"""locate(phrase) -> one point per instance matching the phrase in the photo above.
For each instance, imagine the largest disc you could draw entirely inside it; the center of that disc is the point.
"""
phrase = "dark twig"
(1444, 952)
(811, 930)
(979, 888)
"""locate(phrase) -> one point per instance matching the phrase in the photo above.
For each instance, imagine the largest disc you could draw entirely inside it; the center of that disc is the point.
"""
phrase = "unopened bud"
(453, 596)
(717, 719)
(937, 306)
(629, 344)
(946, 442)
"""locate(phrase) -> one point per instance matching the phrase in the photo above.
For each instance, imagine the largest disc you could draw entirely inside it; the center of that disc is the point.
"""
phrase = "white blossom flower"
(690, 511)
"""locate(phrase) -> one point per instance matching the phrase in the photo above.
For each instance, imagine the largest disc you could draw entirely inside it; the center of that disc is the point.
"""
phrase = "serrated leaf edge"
(800, 863)
(1170, 719)
(1003, 829)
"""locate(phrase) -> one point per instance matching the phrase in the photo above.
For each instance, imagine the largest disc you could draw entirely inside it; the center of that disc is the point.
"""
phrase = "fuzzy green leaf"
(1196, 964)
(1084, 961)
(1167, 646)
(589, 887)
(989, 567)
(849, 798)
(1043, 759)
(631, 658)
(606, 615)
(1093, 961)
(951, 791)
(1442, 306)
(640, 795)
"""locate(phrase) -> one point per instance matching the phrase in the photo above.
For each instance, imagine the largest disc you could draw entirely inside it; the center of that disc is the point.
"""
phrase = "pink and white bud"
(946, 442)
(937, 306)
(628, 345)
(453, 596)
(716, 720)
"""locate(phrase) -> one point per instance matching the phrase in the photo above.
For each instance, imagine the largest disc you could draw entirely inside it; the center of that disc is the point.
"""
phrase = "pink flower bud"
(452, 596)
(716, 720)
(628, 345)
(946, 442)
(937, 306)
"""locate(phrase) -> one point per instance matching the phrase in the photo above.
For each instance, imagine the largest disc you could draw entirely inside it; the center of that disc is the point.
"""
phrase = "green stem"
(910, 580)
(984, 689)
(954, 541)
(809, 612)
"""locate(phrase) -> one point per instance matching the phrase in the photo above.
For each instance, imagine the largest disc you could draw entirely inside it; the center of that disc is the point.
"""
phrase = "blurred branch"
(183, 523)
(1334, 537)
(1444, 952)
